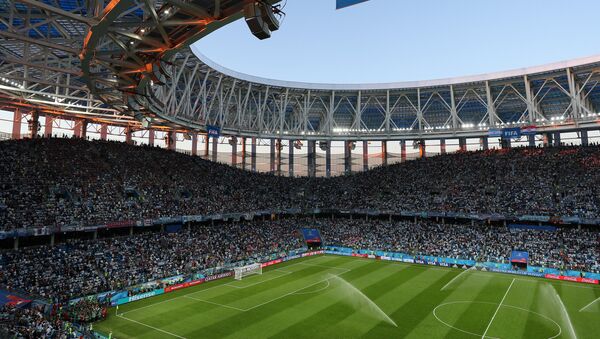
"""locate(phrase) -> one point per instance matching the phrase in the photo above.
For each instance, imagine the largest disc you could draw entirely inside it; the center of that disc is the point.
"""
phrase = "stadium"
(148, 191)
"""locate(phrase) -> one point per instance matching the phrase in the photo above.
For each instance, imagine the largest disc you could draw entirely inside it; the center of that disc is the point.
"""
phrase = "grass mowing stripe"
(152, 327)
(241, 325)
(236, 323)
(477, 289)
(149, 302)
(274, 276)
(184, 319)
(590, 304)
(217, 304)
(160, 315)
(339, 309)
(532, 325)
(260, 294)
(161, 312)
(518, 311)
(304, 308)
(369, 283)
(411, 302)
(454, 279)
(497, 309)
(415, 309)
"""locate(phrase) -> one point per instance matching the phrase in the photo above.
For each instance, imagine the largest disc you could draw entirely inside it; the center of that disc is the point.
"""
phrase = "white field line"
(167, 300)
(317, 291)
(588, 305)
(214, 303)
(268, 301)
(259, 282)
(497, 309)
(456, 277)
(288, 294)
(323, 266)
(152, 327)
(141, 308)
(202, 290)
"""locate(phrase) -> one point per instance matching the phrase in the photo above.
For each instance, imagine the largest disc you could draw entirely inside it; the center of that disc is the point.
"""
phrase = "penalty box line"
(590, 304)
(220, 285)
(152, 327)
(285, 273)
(266, 302)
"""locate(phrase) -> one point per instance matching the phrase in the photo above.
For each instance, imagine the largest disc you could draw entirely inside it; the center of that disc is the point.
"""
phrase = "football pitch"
(344, 297)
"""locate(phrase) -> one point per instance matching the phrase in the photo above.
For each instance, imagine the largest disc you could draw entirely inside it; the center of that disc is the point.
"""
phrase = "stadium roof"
(124, 62)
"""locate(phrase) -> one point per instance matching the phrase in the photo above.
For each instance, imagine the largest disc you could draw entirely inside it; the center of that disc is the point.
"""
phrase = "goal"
(247, 270)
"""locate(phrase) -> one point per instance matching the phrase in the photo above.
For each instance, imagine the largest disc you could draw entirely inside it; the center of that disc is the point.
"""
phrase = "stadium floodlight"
(244, 271)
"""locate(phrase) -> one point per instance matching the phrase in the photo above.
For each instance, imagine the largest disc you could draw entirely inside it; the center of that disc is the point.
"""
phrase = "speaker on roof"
(298, 144)
(268, 16)
(146, 122)
(254, 14)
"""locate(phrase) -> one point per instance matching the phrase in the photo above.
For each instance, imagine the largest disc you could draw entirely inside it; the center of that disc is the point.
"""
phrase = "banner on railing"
(218, 276)
(183, 285)
(138, 297)
(272, 262)
(574, 279)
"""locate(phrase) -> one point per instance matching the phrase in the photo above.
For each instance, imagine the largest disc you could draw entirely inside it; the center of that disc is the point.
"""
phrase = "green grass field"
(343, 297)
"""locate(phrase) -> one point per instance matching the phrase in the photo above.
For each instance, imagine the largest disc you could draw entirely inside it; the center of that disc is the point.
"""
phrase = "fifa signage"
(506, 133)
(213, 131)
(511, 133)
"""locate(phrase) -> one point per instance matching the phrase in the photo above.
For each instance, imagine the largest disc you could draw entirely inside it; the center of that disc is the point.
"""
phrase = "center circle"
(449, 305)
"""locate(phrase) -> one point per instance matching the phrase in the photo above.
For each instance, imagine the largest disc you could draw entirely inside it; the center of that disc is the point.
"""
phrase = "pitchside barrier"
(532, 271)
(423, 260)
(179, 286)
(123, 298)
(377, 255)
(177, 282)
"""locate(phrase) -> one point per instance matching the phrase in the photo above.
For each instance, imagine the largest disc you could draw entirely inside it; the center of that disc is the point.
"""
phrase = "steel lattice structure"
(124, 62)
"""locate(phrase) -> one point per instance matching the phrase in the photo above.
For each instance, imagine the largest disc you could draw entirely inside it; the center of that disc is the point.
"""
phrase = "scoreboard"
(312, 237)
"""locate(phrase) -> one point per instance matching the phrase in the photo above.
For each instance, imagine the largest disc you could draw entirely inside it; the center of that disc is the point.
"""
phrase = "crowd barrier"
(176, 283)
(533, 271)
(574, 279)
(76, 227)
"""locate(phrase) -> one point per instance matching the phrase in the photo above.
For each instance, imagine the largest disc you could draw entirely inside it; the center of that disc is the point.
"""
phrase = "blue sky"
(401, 40)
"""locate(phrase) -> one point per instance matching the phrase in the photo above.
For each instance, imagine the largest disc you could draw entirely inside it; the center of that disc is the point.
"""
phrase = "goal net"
(247, 270)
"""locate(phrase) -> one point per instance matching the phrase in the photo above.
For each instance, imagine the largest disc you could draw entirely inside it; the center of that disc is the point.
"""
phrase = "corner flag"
(347, 3)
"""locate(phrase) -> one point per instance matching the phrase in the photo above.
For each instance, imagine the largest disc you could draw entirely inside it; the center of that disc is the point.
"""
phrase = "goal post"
(244, 271)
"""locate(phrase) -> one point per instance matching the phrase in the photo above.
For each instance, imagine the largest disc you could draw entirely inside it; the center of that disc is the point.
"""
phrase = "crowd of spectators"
(78, 268)
(57, 182)
(565, 248)
(73, 182)
(32, 323)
